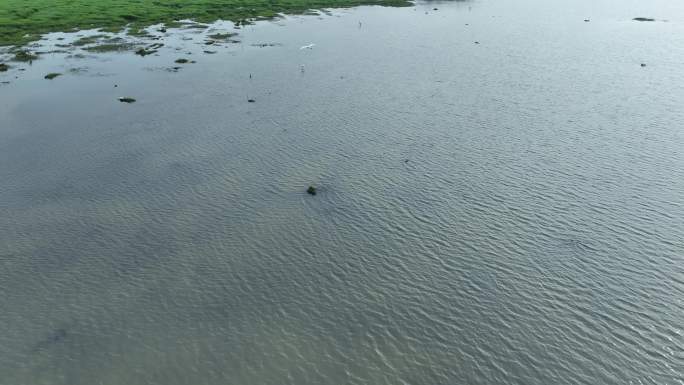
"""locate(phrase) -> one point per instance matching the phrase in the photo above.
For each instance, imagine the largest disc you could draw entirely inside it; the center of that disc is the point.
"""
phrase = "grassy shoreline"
(23, 21)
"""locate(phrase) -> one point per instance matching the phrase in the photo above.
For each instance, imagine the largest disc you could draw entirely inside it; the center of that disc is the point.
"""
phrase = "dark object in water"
(221, 36)
(25, 56)
(643, 19)
(125, 99)
(262, 45)
(162, 30)
(251, 100)
(586, 20)
(3, 67)
(52, 75)
(210, 52)
(477, 42)
(58, 336)
(53, 338)
(144, 51)
(643, 64)
(181, 61)
(434, 9)
(311, 190)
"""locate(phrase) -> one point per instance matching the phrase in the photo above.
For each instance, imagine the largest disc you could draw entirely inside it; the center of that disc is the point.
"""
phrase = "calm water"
(508, 212)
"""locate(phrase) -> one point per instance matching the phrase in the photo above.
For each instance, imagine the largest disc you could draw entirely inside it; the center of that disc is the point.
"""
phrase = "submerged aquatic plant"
(111, 47)
(25, 56)
(221, 36)
(88, 40)
(145, 51)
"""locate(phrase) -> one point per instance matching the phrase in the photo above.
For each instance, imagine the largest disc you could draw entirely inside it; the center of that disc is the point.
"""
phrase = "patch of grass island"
(24, 21)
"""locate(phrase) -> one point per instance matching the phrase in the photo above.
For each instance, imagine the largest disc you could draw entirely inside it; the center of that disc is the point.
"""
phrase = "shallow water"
(508, 212)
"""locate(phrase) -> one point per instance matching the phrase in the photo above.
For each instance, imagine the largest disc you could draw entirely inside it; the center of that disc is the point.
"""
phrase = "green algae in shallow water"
(311, 190)
(3, 67)
(221, 36)
(144, 51)
(111, 47)
(88, 40)
(193, 26)
(24, 56)
(23, 21)
(52, 75)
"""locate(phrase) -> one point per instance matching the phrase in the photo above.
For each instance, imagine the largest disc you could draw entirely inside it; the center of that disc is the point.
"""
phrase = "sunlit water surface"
(507, 212)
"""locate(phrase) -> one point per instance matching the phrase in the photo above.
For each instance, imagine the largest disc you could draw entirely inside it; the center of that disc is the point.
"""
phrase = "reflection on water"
(508, 212)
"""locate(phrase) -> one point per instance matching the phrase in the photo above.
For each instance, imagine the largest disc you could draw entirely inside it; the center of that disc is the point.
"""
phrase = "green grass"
(23, 21)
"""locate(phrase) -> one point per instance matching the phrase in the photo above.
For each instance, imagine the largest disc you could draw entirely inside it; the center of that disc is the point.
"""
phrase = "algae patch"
(145, 51)
(25, 56)
(111, 47)
(221, 36)
(87, 40)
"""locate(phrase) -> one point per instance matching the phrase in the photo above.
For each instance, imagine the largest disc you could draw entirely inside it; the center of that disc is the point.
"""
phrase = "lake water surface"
(506, 212)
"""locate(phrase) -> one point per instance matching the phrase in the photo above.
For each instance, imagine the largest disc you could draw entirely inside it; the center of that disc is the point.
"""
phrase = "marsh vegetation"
(23, 21)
